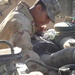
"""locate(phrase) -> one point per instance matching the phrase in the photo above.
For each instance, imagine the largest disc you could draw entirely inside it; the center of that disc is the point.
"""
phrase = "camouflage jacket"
(18, 27)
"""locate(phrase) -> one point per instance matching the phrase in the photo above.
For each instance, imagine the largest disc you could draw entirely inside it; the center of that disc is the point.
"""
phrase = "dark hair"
(42, 4)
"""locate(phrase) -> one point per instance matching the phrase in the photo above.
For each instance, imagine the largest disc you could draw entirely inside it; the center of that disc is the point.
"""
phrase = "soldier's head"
(44, 11)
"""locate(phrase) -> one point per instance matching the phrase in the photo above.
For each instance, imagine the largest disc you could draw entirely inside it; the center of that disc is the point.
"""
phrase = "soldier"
(23, 22)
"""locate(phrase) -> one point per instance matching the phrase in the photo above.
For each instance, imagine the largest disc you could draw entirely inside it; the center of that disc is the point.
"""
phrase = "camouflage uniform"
(18, 28)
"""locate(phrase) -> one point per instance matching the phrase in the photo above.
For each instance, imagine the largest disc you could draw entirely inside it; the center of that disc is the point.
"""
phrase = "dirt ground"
(5, 9)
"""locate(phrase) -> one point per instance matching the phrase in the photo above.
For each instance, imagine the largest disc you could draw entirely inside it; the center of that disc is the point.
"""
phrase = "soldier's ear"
(38, 7)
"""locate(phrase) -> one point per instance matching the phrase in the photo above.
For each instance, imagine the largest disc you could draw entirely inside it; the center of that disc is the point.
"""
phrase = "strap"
(6, 42)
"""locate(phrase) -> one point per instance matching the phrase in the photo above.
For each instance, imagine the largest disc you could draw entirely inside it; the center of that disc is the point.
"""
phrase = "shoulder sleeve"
(21, 37)
(16, 29)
